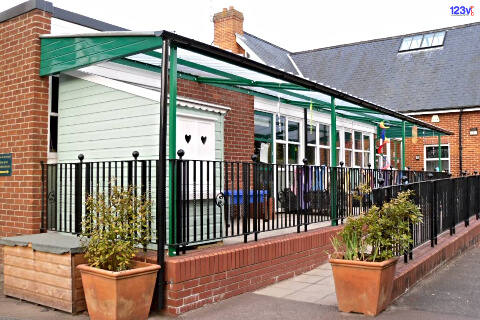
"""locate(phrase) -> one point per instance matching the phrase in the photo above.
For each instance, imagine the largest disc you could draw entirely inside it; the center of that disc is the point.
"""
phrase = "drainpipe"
(460, 139)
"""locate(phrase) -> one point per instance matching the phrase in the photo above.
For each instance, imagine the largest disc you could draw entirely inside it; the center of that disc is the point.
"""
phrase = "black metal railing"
(444, 204)
(65, 187)
(220, 199)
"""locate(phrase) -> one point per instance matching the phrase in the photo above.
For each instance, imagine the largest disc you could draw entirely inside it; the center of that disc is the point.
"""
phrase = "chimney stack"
(226, 24)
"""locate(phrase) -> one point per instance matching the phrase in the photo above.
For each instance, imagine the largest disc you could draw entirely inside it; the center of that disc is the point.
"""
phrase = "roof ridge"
(274, 45)
(388, 38)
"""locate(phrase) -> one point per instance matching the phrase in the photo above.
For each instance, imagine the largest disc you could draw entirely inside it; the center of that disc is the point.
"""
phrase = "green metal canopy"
(210, 65)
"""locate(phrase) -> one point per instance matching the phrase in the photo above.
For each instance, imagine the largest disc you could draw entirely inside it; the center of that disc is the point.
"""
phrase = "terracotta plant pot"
(125, 295)
(362, 286)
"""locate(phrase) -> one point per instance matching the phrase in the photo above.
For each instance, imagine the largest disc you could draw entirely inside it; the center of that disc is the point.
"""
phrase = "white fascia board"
(295, 66)
(150, 94)
(443, 111)
(271, 106)
(253, 55)
(60, 27)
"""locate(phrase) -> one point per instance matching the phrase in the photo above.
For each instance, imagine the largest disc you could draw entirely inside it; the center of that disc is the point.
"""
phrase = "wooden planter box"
(38, 272)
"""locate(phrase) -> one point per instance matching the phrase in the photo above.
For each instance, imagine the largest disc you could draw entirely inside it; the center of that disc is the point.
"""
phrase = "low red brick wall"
(210, 275)
(426, 259)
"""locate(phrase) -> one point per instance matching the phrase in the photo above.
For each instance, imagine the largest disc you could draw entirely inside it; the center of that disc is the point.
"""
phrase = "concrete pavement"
(453, 293)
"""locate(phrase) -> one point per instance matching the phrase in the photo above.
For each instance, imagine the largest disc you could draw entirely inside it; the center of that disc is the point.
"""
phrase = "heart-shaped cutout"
(204, 139)
(188, 137)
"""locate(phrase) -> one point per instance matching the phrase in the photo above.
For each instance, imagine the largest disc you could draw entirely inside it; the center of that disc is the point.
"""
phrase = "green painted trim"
(403, 146)
(62, 54)
(172, 146)
(333, 164)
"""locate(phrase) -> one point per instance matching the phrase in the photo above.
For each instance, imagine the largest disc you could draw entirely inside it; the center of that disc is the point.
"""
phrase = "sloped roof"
(437, 78)
(271, 54)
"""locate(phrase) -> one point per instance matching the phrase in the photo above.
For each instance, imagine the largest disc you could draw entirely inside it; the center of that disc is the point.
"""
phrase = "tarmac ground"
(451, 293)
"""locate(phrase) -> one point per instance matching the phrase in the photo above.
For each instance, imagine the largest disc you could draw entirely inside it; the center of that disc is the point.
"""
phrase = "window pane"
(311, 134)
(431, 165)
(338, 157)
(324, 156)
(427, 40)
(432, 152)
(53, 133)
(263, 150)
(366, 159)
(55, 86)
(416, 42)
(348, 140)
(293, 131)
(324, 134)
(445, 165)
(358, 159)
(366, 143)
(358, 140)
(292, 154)
(348, 158)
(263, 127)
(406, 44)
(280, 149)
(338, 139)
(438, 39)
(280, 128)
(310, 155)
(444, 153)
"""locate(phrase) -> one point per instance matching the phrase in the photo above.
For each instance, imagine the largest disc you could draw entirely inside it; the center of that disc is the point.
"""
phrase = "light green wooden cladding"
(62, 54)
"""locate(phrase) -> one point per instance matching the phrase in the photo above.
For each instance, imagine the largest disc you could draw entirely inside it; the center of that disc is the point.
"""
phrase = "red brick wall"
(226, 24)
(24, 121)
(471, 144)
(208, 276)
(239, 128)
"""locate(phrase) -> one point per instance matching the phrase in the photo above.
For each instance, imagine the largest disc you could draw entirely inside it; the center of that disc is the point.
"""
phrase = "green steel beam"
(333, 164)
(62, 54)
(172, 145)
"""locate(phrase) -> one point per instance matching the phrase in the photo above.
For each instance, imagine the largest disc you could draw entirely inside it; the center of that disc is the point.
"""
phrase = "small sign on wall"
(5, 164)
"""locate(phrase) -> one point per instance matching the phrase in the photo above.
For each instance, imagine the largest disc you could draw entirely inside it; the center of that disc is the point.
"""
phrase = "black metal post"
(78, 194)
(178, 196)
(44, 217)
(161, 178)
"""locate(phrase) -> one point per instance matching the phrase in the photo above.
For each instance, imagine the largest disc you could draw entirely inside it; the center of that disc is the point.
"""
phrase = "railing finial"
(341, 163)
(305, 161)
(81, 157)
(135, 154)
(180, 153)
(254, 157)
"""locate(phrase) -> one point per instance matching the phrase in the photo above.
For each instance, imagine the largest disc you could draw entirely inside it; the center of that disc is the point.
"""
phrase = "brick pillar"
(226, 24)
(23, 121)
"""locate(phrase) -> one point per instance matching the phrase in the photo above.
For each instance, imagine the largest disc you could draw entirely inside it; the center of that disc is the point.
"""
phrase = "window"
(423, 41)
(361, 149)
(288, 141)
(318, 148)
(431, 158)
(348, 149)
(53, 126)
(263, 136)
(396, 154)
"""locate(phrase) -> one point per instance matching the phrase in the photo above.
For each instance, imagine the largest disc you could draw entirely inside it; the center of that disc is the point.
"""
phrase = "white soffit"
(151, 94)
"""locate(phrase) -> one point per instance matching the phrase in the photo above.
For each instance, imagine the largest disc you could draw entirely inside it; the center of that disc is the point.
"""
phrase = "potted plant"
(366, 254)
(115, 226)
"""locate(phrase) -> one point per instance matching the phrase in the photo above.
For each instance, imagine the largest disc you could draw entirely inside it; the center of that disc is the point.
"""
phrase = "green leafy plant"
(380, 233)
(116, 225)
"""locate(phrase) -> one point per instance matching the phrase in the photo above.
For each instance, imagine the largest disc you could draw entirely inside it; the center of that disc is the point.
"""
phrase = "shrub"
(116, 224)
(380, 233)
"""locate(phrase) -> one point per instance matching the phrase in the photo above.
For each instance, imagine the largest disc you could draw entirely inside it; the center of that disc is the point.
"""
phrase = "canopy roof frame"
(363, 111)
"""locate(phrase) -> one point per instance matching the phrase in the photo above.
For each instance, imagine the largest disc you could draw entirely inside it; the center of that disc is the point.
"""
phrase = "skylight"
(423, 41)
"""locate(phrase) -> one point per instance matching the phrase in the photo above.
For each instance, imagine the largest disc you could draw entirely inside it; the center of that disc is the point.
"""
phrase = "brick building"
(431, 75)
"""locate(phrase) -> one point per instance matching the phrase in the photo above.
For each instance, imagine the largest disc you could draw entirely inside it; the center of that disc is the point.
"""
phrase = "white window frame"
(436, 146)
(286, 142)
(52, 157)
(317, 144)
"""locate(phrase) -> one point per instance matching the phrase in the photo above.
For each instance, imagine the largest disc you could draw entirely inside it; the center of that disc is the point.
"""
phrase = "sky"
(293, 25)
